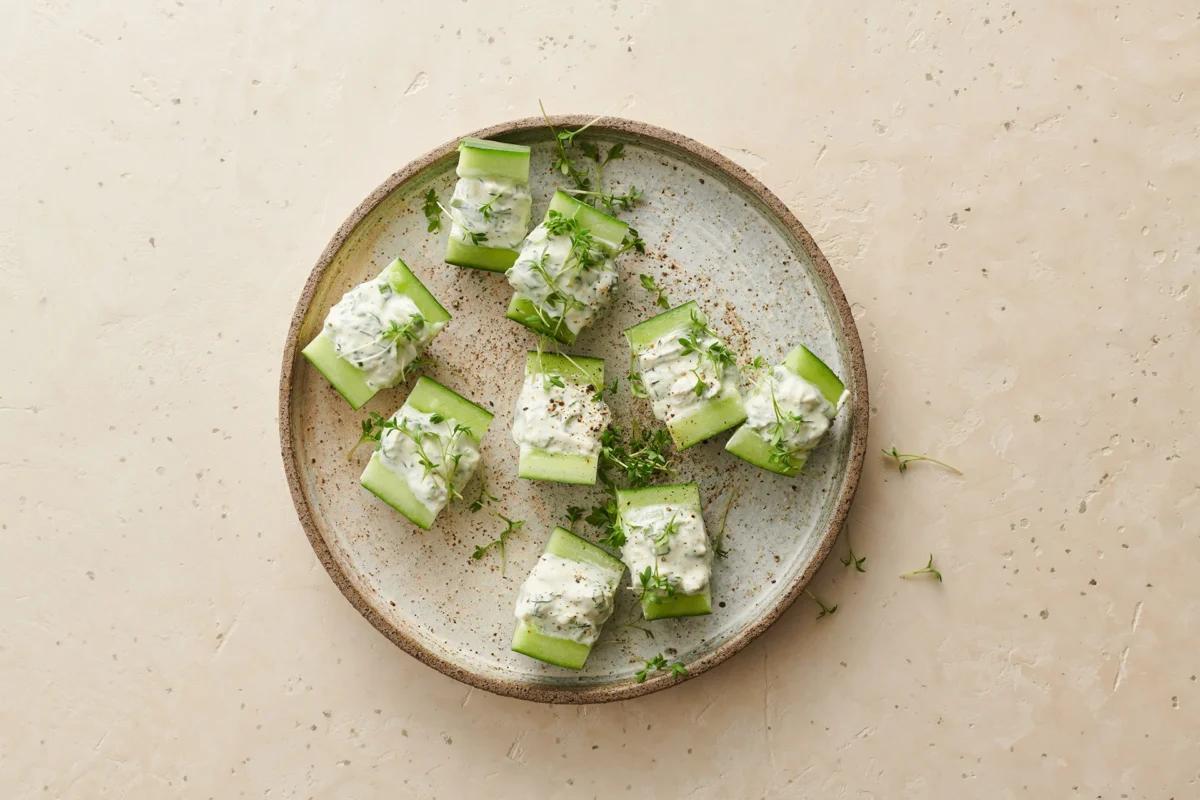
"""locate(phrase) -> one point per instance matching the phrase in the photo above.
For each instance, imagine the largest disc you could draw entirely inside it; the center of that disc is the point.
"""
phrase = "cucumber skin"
(569, 468)
(391, 489)
(607, 230)
(343, 376)
(804, 363)
(568, 366)
(478, 158)
(564, 653)
(559, 652)
(430, 397)
(714, 417)
(687, 605)
(646, 332)
(747, 445)
(488, 259)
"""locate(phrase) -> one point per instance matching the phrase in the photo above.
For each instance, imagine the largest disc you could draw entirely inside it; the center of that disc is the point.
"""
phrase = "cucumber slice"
(684, 494)
(490, 259)
(393, 490)
(715, 416)
(804, 363)
(349, 380)
(542, 465)
(551, 649)
(606, 230)
(747, 445)
(478, 158)
(522, 310)
(483, 158)
(431, 397)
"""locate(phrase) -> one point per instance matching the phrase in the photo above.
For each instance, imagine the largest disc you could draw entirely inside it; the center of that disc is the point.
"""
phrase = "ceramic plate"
(714, 234)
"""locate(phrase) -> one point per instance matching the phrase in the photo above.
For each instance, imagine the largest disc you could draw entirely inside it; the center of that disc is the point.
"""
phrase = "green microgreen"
(659, 664)
(852, 560)
(826, 610)
(904, 459)
(660, 295)
(511, 526)
(433, 211)
(929, 569)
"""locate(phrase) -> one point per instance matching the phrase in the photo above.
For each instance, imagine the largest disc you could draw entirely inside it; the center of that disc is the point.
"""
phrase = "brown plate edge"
(849, 484)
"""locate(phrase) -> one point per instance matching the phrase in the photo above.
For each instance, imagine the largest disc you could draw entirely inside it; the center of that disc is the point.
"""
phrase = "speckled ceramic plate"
(715, 235)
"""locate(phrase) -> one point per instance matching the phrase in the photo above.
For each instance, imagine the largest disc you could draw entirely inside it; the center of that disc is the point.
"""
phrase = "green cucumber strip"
(681, 605)
(719, 414)
(403, 281)
(522, 310)
(581, 370)
(565, 544)
(559, 652)
(540, 465)
(341, 374)
(491, 259)
(606, 230)
(432, 397)
(479, 158)
(646, 333)
(393, 490)
(747, 445)
(681, 494)
(804, 363)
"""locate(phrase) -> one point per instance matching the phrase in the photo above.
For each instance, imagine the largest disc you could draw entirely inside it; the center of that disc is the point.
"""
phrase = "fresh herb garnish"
(718, 540)
(574, 514)
(511, 526)
(904, 459)
(486, 208)
(605, 518)
(639, 460)
(555, 380)
(636, 387)
(659, 664)
(851, 559)
(826, 610)
(928, 569)
(588, 179)
(433, 211)
(655, 583)
(372, 428)
(650, 285)
(484, 498)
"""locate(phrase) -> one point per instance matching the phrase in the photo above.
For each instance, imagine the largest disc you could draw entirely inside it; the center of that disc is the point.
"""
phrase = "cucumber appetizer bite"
(565, 273)
(489, 210)
(666, 549)
(688, 374)
(787, 412)
(428, 451)
(559, 418)
(566, 599)
(374, 335)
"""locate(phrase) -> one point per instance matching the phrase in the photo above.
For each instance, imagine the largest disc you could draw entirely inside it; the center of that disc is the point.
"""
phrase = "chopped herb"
(433, 211)
(928, 569)
(825, 609)
(486, 208)
(659, 664)
(904, 459)
(511, 526)
(650, 285)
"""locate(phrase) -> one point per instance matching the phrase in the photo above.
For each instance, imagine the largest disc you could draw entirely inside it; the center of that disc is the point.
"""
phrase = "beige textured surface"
(1006, 195)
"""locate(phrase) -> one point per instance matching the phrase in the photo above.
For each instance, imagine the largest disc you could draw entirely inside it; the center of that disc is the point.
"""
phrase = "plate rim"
(857, 385)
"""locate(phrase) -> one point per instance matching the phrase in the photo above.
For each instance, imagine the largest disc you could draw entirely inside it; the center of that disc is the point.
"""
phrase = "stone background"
(1005, 192)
